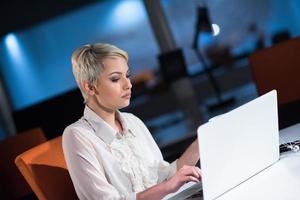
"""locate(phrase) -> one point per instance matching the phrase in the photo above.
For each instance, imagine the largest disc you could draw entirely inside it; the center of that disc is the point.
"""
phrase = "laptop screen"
(239, 144)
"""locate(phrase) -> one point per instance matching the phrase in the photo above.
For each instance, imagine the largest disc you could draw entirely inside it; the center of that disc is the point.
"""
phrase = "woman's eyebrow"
(117, 72)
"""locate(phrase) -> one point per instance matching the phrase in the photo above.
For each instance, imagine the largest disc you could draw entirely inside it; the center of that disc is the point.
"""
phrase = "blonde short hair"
(87, 62)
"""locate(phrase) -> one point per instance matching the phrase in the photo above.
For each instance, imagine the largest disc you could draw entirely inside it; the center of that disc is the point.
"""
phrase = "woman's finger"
(195, 173)
(199, 171)
(191, 178)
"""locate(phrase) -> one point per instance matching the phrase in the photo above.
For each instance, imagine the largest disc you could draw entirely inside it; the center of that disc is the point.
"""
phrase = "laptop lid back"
(239, 144)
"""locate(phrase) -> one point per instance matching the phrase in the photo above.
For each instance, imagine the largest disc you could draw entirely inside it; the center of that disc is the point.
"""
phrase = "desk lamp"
(203, 25)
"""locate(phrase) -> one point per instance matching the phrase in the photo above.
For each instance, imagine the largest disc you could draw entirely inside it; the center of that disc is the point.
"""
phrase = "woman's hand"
(183, 175)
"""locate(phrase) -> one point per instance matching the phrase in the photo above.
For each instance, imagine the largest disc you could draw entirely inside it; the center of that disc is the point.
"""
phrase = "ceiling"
(19, 14)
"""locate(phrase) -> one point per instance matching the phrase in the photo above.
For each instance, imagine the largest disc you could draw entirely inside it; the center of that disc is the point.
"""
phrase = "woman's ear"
(89, 89)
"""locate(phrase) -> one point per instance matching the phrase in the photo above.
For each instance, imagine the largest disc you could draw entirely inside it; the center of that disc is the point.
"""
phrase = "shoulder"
(75, 128)
(77, 132)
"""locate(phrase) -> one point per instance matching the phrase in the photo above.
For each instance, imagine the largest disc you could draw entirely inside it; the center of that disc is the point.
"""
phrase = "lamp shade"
(203, 21)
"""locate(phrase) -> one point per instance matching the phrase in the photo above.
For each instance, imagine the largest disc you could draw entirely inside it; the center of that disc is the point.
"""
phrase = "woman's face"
(113, 88)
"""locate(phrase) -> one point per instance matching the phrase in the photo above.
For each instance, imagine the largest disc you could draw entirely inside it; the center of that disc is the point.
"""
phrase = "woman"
(111, 154)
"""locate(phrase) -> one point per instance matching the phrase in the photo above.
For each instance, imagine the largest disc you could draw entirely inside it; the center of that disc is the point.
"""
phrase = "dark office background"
(38, 38)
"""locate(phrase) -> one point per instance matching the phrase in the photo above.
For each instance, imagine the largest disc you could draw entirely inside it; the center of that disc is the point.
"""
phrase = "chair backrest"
(12, 183)
(45, 170)
(278, 68)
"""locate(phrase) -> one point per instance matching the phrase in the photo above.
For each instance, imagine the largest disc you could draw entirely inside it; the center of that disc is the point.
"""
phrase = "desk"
(281, 181)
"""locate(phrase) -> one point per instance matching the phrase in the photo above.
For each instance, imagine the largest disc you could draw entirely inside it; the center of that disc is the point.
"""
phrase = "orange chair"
(12, 183)
(278, 68)
(45, 170)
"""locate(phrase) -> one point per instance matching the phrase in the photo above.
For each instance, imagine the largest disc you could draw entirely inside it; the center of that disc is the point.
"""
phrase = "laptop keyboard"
(198, 195)
(193, 192)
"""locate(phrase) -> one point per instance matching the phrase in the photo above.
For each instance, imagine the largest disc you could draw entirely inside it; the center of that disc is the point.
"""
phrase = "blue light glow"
(127, 14)
(13, 47)
(20, 74)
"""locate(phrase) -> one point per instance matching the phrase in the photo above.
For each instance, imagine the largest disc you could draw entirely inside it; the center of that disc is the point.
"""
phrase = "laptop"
(234, 147)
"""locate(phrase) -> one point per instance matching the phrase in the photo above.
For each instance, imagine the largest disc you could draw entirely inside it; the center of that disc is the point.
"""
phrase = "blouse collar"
(102, 129)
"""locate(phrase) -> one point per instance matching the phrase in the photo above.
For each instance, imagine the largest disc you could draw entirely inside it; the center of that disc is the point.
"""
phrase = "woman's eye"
(114, 79)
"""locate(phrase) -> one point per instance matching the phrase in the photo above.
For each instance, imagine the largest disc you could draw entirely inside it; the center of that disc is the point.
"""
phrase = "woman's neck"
(108, 115)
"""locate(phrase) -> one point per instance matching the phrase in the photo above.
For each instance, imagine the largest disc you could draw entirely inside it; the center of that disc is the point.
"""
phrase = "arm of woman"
(190, 156)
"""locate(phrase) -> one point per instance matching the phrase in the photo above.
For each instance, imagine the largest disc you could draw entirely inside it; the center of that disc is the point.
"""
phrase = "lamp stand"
(221, 103)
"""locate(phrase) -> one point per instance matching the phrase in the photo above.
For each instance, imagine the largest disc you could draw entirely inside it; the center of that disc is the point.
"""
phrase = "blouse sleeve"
(86, 173)
(165, 169)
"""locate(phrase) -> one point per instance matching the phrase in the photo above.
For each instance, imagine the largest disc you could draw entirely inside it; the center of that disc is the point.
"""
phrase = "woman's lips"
(127, 96)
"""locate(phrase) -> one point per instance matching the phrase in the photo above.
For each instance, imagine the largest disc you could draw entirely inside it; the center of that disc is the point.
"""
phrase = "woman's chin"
(125, 104)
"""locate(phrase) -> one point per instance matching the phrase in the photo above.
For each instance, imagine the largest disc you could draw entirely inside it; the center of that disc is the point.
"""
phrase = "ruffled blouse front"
(142, 172)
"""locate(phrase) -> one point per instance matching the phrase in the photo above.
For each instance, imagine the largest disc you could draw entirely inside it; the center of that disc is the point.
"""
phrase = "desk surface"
(281, 181)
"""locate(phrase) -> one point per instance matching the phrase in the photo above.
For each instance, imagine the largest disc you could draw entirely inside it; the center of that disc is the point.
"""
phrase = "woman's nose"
(128, 84)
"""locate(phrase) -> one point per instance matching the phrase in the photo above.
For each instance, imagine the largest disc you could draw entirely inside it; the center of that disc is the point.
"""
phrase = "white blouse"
(106, 165)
